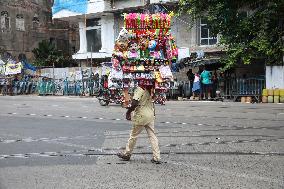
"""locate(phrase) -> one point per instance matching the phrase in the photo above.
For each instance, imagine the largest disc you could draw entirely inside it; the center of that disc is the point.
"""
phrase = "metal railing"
(236, 87)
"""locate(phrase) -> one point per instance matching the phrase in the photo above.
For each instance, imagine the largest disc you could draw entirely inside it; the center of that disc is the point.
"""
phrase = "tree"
(46, 55)
(250, 30)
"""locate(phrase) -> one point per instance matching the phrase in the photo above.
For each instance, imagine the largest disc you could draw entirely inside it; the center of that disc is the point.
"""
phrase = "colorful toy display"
(144, 51)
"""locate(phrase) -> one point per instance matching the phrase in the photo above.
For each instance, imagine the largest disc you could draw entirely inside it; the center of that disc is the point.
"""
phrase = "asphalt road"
(71, 142)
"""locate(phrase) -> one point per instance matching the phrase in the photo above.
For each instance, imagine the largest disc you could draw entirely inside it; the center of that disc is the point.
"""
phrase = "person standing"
(214, 84)
(206, 79)
(190, 76)
(143, 117)
(196, 86)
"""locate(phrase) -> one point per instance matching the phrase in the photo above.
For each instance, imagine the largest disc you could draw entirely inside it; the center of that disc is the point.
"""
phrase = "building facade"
(101, 20)
(25, 23)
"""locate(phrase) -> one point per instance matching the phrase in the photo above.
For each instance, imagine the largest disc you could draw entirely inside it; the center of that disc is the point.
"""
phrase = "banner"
(13, 68)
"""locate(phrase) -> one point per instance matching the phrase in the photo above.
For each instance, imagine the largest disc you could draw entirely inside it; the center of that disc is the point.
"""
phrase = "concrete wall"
(275, 77)
(108, 34)
(184, 35)
(69, 73)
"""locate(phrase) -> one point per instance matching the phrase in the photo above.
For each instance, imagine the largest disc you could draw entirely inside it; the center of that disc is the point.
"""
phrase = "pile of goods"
(144, 52)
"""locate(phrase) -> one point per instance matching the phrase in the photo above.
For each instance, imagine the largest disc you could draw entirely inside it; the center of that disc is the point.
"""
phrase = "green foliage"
(250, 30)
(46, 55)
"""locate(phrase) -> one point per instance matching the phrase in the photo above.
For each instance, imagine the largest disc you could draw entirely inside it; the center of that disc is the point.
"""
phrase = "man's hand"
(134, 104)
(128, 115)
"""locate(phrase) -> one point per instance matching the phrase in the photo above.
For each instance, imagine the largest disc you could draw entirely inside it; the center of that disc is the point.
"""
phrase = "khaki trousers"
(136, 130)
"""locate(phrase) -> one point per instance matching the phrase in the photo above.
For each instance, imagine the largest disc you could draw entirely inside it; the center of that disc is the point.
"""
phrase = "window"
(93, 22)
(206, 38)
(20, 22)
(93, 32)
(5, 21)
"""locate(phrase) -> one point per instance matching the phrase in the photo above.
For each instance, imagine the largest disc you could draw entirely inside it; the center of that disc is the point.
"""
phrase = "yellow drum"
(270, 99)
(276, 99)
(243, 99)
(264, 92)
(270, 92)
(276, 92)
(281, 100)
(249, 99)
(264, 99)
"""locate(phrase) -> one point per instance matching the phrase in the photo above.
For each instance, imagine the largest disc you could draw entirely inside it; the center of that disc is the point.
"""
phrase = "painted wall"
(275, 77)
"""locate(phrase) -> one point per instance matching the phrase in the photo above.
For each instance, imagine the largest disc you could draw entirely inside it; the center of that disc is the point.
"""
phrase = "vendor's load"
(144, 52)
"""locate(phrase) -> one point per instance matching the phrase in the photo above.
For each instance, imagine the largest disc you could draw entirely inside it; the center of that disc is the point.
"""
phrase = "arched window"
(20, 22)
(5, 21)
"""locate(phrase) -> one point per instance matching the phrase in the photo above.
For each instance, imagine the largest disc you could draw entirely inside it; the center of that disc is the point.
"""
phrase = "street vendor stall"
(144, 52)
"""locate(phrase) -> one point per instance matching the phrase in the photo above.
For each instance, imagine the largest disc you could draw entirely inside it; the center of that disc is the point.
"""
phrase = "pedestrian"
(190, 76)
(214, 83)
(143, 117)
(196, 86)
(206, 79)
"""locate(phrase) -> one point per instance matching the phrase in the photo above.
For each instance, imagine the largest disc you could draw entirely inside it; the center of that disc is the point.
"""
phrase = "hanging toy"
(115, 64)
(133, 50)
(152, 45)
(121, 45)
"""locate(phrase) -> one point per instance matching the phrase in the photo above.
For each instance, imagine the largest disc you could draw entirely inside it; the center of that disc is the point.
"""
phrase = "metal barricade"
(237, 87)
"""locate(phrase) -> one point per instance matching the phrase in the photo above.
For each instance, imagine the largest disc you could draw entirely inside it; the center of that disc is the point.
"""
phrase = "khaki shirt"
(144, 112)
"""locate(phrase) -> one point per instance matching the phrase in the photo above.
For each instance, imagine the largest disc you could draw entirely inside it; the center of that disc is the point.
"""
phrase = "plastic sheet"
(79, 6)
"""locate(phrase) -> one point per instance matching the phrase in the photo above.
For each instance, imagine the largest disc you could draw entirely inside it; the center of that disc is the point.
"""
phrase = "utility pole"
(5, 80)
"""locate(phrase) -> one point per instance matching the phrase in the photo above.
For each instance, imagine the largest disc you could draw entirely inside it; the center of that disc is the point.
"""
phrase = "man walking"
(143, 108)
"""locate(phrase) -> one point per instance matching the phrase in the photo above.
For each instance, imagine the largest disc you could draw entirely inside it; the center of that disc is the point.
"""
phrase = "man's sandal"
(156, 161)
(123, 156)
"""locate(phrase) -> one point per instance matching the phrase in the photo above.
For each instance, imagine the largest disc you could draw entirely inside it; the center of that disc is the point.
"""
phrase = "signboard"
(13, 68)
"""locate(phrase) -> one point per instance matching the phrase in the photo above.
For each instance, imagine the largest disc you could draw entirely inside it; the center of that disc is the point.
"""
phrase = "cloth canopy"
(28, 66)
